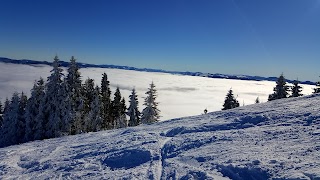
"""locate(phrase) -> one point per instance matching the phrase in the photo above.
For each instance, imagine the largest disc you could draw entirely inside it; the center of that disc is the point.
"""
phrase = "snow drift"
(274, 140)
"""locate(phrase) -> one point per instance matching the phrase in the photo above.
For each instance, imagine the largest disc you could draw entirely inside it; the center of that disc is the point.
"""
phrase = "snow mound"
(274, 140)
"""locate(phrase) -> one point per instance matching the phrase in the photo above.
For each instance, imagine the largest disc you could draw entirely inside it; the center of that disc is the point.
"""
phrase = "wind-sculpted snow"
(274, 140)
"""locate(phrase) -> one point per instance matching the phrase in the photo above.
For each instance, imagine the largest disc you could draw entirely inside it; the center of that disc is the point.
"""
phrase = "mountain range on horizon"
(187, 73)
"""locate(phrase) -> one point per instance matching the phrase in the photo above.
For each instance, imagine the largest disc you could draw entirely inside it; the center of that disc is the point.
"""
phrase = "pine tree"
(9, 133)
(133, 111)
(296, 89)
(230, 101)
(281, 89)
(150, 113)
(32, 109)
(317, 89)
(73, 81)
(21, 128)
(107, 121)
(94, 120)
(257, 101)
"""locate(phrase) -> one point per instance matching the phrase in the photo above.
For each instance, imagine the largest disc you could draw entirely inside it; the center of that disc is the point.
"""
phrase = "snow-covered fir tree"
(281, 89)
(52, 101)
(66, 112)
(88, 93)
(93, 120)
(9, 130)
(21, 128)
(107, 121)
(150, 113)
(4, 111)
(122, 120)
(317, 89)
(133, 111)
(74, 88)
(32, 109)
(118, 110)
(40, 120)
(296, 89)
(230, 101)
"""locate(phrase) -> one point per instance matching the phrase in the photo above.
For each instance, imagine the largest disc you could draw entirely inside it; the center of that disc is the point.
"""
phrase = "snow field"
(274, 140)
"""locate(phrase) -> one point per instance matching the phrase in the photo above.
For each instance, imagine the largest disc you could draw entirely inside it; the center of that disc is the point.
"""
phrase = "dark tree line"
(281, 90)
(64, 106)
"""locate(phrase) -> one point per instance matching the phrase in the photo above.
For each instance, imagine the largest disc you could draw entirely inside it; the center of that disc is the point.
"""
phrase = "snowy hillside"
(274, 140)
(179, 95)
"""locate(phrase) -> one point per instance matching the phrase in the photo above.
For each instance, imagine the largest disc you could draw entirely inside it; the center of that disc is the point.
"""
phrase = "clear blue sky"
(253, 37)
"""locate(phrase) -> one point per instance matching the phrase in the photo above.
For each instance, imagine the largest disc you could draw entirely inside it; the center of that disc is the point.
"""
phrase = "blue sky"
(253, 37)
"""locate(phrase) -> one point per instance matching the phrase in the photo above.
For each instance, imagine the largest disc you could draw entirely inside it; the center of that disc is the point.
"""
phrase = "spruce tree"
(67, 124)
(9, 129)
(3, 128)
(230, 101)
(88, 93)
(117, 108)
(107, 121)
(74, 88)
(133, 111)
(150, 113)
(281, 89)
(52, 101)
(296, 89)
(21, 128)
(32, 109)
(93, 120)
(122, 120)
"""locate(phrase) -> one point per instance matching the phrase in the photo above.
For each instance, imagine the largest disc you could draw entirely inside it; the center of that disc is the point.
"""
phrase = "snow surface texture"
(178, 95)
(273, 140)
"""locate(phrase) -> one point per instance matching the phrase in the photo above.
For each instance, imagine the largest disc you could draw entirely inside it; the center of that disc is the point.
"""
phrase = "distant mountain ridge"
(209, 75)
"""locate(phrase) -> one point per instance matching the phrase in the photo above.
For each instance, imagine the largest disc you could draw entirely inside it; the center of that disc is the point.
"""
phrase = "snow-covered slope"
(274, 140)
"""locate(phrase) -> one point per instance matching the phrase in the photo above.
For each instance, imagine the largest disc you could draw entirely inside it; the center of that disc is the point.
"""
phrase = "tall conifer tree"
(133, 111)
(21, 128)
(107, 121)
(296, 89)
(74, 88)
(117, 108)
(230, 101)
(32, 109)
(52, 101)
(9, 133)
(93, 119)
(281, 89)
(150, 113)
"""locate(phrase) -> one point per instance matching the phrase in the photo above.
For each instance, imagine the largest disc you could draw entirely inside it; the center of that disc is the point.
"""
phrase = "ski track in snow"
(274, 140)
(162, 158)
